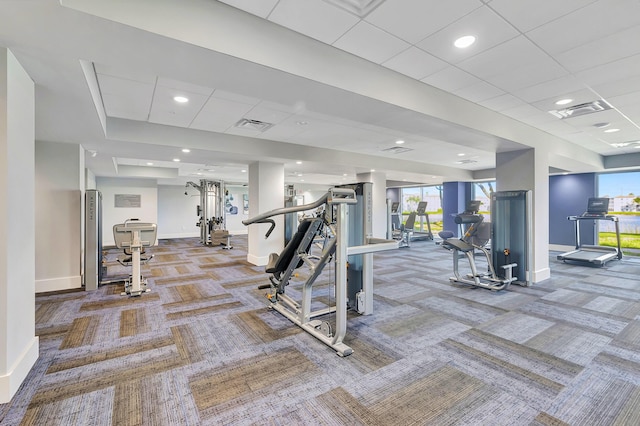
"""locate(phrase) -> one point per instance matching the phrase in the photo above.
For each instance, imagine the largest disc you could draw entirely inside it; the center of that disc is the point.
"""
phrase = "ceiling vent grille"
(581, 109)
(466, 161)
(255, 125)
(360, 8)
(397, 149)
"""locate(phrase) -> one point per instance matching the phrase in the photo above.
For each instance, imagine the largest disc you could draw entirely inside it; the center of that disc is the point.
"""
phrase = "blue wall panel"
(568, 196)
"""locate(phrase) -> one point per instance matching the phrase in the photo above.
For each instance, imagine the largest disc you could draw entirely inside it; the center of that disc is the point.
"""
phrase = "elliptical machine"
(476, 237)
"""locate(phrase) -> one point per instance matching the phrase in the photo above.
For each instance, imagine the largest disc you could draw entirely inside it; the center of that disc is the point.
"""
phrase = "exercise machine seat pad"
(458, 244)
(279, 263)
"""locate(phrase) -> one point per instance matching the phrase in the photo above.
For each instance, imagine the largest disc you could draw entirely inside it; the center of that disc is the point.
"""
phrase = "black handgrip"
(271, 228)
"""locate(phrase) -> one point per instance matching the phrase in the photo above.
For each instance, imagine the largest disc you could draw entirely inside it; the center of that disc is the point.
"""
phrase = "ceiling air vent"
(581, 109)
(397, 149)
(360, 8)
(466, 162)
(256, 125)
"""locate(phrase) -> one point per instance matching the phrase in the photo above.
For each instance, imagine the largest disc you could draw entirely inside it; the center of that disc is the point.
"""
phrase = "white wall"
(18, 343)
(234, 221)
(111, 215)
(177, 212)
(59, 219)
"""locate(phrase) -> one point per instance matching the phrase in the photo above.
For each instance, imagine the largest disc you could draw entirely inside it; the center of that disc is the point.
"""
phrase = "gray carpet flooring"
(202, 349)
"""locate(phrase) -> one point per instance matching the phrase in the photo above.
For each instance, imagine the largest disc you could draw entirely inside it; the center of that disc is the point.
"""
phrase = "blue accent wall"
(454, 199)
(568, 196)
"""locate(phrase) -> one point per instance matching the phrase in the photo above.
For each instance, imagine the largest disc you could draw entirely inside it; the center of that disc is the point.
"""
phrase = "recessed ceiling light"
(564, 101)
(637, 146)
(186, 150)
(149, 164)
(611, 130)
(243, 171)
(601, 125)
(298, 162)
(404, 180)
(462, 154)
(176, 160)
(301, 123)
(344, 174)
(400, 142)
(464, 41)
(299, 174)
(565, 173)
(199, 173)
(180, 99)
(301, 180)
(373, 170)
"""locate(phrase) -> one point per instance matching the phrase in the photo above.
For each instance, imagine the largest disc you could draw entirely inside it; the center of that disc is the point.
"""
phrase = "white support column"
(18, 343)
(379, 201)
(266, 192)
(529, 170)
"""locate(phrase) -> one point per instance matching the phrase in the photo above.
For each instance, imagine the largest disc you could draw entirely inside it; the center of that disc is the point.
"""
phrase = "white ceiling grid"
(528, 54)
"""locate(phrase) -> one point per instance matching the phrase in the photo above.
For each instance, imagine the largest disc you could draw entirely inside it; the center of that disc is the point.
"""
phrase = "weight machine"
(353, 276)
(212, 213)
(133, 236)
(509, 232)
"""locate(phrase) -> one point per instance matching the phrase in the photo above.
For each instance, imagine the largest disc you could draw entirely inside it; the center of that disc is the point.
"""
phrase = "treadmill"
(597, 209)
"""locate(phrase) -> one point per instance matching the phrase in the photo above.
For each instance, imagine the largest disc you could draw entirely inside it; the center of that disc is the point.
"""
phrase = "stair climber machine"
(339, 222)
(509, 232)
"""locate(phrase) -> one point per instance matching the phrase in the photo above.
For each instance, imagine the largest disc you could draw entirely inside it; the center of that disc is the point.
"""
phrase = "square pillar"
(18, 342)
(266, 192)
(528, 169)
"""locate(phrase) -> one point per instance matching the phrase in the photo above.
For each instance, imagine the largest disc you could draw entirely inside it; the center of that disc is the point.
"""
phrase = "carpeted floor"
(202, 348)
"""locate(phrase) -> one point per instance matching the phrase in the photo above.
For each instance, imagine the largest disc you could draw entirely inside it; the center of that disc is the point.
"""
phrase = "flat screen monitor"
(598, 206)
(473, 206)
(422, 208)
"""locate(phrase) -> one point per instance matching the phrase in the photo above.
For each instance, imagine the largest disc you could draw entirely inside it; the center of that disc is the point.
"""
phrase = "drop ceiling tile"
(451, 79)
(128, 108)
(601, 51)
(557, 89)
(310, 17)
(513, 54)
(578, 97)
(488, 27)
(124, 73)
(618, 87)
(125, 88)
(181, 86)
(502, 102)
(217, 115)
(592, 22)
(265, 114)
(517, 78)
(623, 69)
(528, 14)
(479, 91)
(223, 94)
(413, 20)
(260, 8)
(370, 43)
(415, 63)
(164, 110)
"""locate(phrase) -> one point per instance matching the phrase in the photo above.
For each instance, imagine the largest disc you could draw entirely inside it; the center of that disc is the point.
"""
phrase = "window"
(624, 191)
(433, 196)
(482, 191)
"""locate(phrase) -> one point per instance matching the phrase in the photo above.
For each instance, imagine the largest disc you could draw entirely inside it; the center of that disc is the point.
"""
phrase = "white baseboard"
(10, 382)
(57, 284)
(257, 260)
(541, 275)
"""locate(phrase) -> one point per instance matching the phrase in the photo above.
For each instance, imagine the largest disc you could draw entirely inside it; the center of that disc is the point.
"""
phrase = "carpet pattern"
(202, 348)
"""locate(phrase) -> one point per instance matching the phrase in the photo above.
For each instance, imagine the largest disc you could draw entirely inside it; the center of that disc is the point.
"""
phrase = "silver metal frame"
(300, 313)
